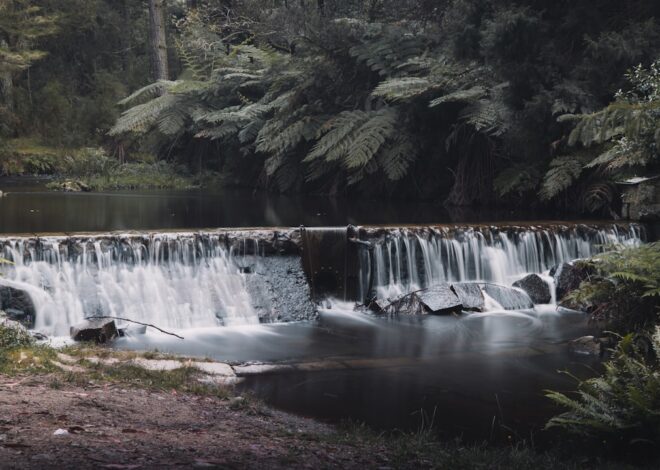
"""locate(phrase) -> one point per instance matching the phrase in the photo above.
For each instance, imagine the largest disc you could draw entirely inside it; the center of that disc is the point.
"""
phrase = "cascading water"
(170, 280)
(407, 259)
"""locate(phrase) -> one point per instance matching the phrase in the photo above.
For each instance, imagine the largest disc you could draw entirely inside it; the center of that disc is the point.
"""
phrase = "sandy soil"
(112, 427)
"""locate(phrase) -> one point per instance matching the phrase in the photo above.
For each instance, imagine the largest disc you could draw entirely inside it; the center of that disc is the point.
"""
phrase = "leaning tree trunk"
(157, 40)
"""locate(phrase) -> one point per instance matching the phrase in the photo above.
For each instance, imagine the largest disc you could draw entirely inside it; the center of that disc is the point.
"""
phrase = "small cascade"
(405, 260)
(171, 280)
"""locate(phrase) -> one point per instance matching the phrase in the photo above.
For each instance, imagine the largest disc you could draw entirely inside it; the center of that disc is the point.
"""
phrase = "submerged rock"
(99, 330)
(508, 297)
(470, 295)
(17, 305)
(585, 346)
(537, 289)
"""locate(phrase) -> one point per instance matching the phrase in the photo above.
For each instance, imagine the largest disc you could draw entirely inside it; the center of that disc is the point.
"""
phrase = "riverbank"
(48, 422)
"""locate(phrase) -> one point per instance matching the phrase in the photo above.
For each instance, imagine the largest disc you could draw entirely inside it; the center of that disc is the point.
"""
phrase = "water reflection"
(30, 208)
(477, 372)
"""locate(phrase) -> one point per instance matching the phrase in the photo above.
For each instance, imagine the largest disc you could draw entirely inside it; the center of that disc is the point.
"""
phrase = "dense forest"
(470, 102)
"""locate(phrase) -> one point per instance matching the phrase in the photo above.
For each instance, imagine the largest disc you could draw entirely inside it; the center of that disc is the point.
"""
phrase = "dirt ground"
(112, 427)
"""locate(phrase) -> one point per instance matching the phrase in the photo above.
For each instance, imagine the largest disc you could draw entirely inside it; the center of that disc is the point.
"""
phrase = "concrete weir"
(216, 277)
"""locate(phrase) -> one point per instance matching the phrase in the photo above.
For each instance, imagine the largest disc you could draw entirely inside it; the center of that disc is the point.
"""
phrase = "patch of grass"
(19, 353)
(183, 380)
(425, 450)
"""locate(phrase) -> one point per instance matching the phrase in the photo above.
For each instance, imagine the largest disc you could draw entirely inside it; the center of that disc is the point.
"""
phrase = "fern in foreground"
(621, 407)
(625, 289)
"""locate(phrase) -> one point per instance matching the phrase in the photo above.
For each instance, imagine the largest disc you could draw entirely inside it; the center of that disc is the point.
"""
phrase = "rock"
(508, 297)
(73, 186)
(537, 289)
(439, 299)
(585, 346)
(470, 295)
(568, 277)
(158, 365)
(99, 330)
(17, 305)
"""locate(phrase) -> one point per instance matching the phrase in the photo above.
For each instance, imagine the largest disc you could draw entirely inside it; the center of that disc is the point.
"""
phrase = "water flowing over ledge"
(405, 260)
(231, 277)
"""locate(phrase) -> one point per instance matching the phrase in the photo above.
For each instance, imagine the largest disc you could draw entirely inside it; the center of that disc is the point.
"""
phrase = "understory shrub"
(621, 408)
(624, 289)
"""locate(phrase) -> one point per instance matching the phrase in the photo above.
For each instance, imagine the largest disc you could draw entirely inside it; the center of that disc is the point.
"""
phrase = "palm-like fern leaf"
(563, 172)
(395, 158)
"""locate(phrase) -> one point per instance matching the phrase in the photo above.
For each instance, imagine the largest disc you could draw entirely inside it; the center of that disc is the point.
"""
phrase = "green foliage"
(12, 337)
(627, 132)
(625, 289)
(620, 408)
(563, 172)
(517, 179)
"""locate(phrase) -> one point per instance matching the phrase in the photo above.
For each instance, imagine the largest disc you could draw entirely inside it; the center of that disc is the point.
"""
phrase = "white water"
(173, 281)
(184, 280)
(406, 260)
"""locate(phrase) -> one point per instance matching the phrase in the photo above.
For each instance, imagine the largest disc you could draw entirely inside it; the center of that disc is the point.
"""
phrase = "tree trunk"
(157, 40)
(125, 36)
(7, 85)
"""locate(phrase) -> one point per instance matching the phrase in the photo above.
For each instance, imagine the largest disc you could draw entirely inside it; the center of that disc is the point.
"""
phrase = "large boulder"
(439, 299)
(568, 277)
(99, 330)
(537, 289)
(470, 295)
(17, 305)
(508, 297)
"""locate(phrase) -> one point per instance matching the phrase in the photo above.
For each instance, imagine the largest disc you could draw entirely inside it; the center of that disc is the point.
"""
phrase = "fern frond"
(563, 172)
(289, 137)
(140, 118)
(369, 137)
(222, 132)
(334, 135)
(395, 158)
(403, 88)
(469, 95)
(487, 116)
(147, 93)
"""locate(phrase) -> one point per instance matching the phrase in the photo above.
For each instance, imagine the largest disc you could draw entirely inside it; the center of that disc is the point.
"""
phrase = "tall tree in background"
(21, 25)
(158, 40)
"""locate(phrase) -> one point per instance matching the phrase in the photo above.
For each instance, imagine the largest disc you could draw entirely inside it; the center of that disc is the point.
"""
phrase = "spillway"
(215, 278)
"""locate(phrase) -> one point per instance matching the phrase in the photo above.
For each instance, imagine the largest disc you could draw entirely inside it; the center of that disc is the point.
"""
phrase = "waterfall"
(407, 259)
(170, 280)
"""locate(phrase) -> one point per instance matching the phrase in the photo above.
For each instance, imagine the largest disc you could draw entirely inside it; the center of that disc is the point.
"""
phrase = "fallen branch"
(137, 322)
